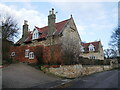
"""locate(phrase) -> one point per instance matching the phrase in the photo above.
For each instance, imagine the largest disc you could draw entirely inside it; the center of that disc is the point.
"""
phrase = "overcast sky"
(94, 20)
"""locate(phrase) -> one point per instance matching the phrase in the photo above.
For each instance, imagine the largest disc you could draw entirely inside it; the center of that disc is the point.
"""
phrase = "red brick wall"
(20, 54)
(57, 55)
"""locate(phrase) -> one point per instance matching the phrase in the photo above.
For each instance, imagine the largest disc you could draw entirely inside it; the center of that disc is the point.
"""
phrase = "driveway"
(25, 76)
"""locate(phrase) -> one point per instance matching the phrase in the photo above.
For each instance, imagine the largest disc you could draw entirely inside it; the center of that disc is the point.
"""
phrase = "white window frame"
(12, 53)
(27, 53)
(35, 35)
(91, 47)
(31, 55)
(82, 49)
(92, 57)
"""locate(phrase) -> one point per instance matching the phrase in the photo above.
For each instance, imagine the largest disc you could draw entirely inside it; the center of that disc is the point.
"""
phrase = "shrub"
(39, 54)
(86, 61)
(7, 61)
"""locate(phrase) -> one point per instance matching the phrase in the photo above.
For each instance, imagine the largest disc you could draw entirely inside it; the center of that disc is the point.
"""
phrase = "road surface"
(107, 79)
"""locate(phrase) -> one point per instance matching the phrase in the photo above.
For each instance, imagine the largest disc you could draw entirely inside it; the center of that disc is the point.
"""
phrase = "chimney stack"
(25, 29)
(51, 22)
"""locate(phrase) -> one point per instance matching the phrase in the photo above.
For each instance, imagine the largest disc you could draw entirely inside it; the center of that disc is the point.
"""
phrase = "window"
(31, 55)
(82, 49)
(13, 54)
(91, 47)
(27, 53)
(35, 34)
(92, 57)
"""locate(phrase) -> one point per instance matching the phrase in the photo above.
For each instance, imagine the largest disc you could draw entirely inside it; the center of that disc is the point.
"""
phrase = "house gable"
(91, 44)
(96, 53)
(70, 31)
(70, 38)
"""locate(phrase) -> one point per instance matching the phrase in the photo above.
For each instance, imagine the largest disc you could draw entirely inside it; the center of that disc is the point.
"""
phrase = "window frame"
(91, 47)
(35, 34)
(27, 53)
(13, 54)
(82, 49)
(31, 55)
(92, 57)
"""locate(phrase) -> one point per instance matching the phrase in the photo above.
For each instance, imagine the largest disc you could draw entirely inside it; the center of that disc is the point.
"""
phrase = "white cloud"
(81, 29)
(89, 17)
(34, 17)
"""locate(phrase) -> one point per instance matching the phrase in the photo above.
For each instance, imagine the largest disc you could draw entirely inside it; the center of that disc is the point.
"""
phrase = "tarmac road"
(107, 79)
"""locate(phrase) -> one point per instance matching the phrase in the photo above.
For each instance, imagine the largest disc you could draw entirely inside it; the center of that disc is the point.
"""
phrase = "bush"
(86, 61)
(39, 54)
(118, 58)
(7, 61)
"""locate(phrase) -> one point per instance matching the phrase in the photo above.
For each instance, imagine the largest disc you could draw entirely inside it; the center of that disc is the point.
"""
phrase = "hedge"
(86, 61)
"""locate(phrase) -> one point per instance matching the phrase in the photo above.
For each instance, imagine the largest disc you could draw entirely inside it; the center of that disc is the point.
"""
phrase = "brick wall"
(56, 56)
(20, 53)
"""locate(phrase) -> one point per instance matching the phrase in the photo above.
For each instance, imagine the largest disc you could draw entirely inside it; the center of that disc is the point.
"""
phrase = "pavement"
(25, 76)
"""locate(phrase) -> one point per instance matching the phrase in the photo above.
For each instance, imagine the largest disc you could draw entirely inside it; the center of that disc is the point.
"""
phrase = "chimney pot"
(25, 22)
(52, 10)
(71, 15)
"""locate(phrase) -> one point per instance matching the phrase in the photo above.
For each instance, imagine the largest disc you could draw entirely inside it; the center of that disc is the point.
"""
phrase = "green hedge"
(86, 61)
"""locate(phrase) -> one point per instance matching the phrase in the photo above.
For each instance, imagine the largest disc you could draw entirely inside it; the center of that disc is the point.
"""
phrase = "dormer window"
(82, 49)
(91, 47)
(35, 34)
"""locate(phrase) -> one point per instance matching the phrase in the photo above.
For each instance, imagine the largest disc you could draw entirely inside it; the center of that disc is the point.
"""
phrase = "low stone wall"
(91, 69)
(69, 71)
(73, 71)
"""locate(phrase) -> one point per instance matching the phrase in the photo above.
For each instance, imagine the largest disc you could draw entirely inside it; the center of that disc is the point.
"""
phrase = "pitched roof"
(44, 31)
(86, 46)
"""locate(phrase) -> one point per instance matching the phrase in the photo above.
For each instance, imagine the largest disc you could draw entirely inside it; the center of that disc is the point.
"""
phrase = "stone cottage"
(54, 39)
(92, 50)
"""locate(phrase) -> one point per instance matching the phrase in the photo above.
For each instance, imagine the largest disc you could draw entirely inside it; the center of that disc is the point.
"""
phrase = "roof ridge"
(91, 42)
(55, 23)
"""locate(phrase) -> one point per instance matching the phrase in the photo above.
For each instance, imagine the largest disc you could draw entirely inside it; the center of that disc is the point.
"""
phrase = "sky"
(94, 20)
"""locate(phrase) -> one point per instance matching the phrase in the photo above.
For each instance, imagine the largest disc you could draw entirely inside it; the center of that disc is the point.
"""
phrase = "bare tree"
(70, 49)
(115, 40)
(8, 30)
(9, 27)
(110, 53)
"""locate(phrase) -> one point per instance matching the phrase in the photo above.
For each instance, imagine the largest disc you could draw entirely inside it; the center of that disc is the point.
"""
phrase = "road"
(107, 79)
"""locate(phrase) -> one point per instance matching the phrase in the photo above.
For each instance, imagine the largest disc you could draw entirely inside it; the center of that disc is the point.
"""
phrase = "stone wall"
(69, 71)
(73, 71)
